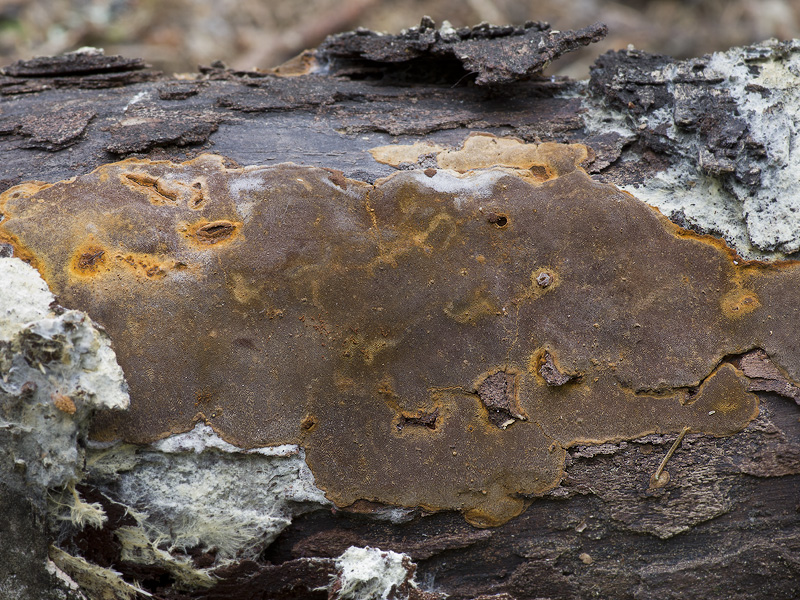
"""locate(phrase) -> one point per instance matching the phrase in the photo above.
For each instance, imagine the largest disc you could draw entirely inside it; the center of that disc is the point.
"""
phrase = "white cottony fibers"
(192, 489)
(371, 574)
(203, 437)
(136, 99)
(197, 440)
(56, 368)
(86, 364)
(195, 489)
(242, 191)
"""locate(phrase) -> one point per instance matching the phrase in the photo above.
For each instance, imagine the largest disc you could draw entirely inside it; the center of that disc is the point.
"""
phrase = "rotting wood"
(362, 294)
(730, 500)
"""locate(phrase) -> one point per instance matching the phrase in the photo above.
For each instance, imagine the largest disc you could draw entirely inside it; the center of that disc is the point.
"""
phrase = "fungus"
(63, 403)
(388, 319)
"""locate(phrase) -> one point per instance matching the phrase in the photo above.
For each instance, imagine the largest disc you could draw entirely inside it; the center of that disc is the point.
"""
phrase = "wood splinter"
(661, 477)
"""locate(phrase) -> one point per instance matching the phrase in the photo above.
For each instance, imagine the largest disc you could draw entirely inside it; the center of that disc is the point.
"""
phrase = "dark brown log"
(727, 525)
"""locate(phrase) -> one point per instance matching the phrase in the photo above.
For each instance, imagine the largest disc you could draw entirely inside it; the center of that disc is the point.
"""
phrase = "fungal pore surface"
(435, 340)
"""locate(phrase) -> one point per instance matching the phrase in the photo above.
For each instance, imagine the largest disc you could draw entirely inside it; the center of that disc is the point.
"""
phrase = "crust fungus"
(422, 354)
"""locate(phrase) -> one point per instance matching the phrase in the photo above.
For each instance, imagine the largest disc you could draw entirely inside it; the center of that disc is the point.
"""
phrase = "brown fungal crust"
(370, 323)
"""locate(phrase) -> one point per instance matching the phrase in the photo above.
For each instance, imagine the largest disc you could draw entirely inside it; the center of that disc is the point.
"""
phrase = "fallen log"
(441, 354)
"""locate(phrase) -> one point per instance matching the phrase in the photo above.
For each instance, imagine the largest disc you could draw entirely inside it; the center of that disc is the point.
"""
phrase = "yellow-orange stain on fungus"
(739, 303)
(63, 403)
(438, 339)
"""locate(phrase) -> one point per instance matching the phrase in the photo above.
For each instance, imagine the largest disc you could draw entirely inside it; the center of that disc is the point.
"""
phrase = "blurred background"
(177, 35)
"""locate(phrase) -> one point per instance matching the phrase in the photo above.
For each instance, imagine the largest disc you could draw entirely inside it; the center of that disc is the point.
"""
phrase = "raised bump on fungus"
(366, 322)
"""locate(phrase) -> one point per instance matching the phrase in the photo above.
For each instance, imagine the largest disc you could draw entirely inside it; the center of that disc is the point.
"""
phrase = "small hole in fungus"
(215, 232)
(91, 259)
(544, 279)
(499, 220)
(540, 172)
(425, 419)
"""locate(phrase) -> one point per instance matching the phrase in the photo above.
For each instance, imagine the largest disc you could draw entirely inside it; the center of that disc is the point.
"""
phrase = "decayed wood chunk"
(436, 339)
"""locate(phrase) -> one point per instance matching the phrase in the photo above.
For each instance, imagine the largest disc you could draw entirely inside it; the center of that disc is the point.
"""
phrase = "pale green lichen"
(762, 84)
